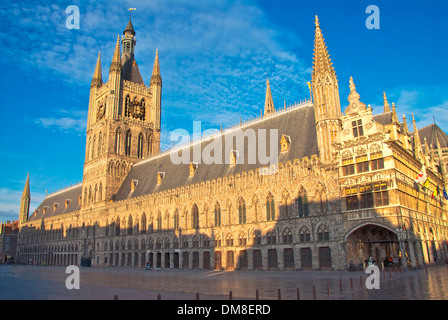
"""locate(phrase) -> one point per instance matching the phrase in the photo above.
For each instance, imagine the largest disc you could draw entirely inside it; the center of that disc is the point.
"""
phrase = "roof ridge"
(63, 190)
(305, 103)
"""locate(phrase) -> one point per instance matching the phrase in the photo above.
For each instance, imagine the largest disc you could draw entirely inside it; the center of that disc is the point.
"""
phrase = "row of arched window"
(93, 194)
(196, 241)
(127, 151)
(95, 147)
(301, 209)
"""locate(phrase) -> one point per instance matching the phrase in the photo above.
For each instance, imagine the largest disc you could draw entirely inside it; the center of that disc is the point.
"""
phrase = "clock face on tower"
(136, 109)
(101, 112)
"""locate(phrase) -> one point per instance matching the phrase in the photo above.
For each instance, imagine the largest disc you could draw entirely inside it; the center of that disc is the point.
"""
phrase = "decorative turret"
(269, 102)
(156, 91)
(418, 150)
(386, 103)
(97, 80)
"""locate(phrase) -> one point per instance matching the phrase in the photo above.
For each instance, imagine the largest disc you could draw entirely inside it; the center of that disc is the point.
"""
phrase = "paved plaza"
(47, 283)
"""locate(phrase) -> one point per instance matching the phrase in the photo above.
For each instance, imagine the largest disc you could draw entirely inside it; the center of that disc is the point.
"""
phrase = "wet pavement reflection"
(42, 283)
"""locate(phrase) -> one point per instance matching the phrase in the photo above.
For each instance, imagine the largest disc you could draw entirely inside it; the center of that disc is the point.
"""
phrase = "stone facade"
(343, 189)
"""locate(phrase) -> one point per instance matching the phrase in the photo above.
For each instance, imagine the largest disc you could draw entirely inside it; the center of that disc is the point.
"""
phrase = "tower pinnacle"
(97, 75)
(116, 61)
(386, 103)
(269, 102)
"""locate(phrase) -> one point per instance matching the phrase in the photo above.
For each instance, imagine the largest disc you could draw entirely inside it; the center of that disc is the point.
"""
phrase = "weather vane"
(130, 11)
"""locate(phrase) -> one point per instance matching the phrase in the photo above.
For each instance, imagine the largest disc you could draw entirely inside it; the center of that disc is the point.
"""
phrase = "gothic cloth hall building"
(344, 187)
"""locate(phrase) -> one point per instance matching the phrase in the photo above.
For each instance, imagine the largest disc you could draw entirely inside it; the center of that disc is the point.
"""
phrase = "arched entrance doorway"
(372, 240)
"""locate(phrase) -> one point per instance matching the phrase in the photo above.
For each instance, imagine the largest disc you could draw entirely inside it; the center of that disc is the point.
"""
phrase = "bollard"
(360, 281)
(314, 292)
(340, 285)
(159, 297)
(197, 295)
(257, 295)
(115, 297)
(328, 288)
(279, 294)
(230, 295)
(351, 283)
(298, 294)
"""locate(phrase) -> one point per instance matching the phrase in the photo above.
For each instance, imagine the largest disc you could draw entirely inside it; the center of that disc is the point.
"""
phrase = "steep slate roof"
(383, 118)
(298, 123)
(432, 133)
(59, 197)
(131, 72)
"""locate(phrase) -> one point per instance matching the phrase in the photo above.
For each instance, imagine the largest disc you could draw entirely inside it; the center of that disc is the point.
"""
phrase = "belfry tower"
(327, 106)
(123, 124)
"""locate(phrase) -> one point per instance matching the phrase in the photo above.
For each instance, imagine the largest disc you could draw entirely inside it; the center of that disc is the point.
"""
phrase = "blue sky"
(214, 56)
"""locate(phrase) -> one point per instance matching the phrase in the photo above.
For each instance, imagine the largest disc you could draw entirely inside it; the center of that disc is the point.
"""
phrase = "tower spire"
(386, 103)
(269, 102)
(97, 75)
(327, 105)
(25, 201)
(322, 61)
(156, 69)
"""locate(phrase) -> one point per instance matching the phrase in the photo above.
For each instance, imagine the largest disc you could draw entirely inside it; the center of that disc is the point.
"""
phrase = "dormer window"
(233, 156)
(193, 168)
(67, 202)
(160, 177)
(79, 200)
(134, 183)
(285, 143)
(55, 205)
(45, 209)
(358, 131)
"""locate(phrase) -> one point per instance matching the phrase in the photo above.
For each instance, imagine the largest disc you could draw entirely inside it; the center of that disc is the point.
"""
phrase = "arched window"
(255, 208)
(285, 204)
(150, 145)
(302, 203)
(217, 215)
(100, 192)
(143, 108)
(287, 236)
(241, 211)
(117, 141)
(270, 207)
(271, 237)
(130, 225)
(88, 149)
(159, 221)
(127, 106)
(322, 233)
(100, 144)
(321, 196)
(304, 234)
(117, 227)
(92, 155)
(128, 143)
(140, 146)
(176, 220)
(143, 223)
(195, 217)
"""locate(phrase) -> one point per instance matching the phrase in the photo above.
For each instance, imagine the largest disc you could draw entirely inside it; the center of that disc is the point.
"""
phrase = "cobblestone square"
(48, 283)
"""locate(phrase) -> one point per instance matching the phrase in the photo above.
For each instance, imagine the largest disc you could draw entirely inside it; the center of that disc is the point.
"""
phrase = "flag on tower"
(445, 195)
(434, 193)
(422, 177)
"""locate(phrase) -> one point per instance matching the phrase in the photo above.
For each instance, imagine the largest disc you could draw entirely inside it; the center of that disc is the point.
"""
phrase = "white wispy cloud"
(65, 121)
